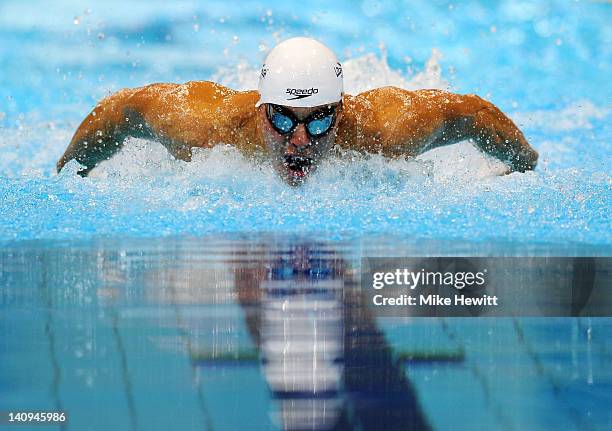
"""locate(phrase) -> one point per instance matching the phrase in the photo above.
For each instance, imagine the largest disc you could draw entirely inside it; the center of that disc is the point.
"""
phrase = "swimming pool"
(545, 64)
(231, 334)
(120, 293)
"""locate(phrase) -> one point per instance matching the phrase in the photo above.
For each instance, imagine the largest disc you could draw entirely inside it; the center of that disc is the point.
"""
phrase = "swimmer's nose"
(299, 138)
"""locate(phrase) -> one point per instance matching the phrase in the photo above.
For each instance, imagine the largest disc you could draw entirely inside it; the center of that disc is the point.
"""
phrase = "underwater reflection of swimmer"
(325, 361)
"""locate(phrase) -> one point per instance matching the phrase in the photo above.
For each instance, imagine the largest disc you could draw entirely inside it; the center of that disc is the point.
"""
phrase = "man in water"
(297, 117)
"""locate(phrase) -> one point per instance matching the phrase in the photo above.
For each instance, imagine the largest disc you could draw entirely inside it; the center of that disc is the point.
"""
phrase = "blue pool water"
(143, 297)
(220, 334)
(547, 64)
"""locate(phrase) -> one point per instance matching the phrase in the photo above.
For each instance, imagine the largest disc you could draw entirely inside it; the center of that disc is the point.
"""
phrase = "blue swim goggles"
(317, 124)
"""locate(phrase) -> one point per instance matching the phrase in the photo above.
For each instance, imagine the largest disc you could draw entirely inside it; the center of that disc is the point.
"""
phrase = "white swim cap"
(300, 72)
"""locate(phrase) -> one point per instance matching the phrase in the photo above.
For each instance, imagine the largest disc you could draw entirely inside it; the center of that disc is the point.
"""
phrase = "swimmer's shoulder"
(369, 105)
(383, 97)
(192, 95)
(362, 112)
(390, 96)
(385, 119)
(202, 113)
(211, 95)
(357, 129)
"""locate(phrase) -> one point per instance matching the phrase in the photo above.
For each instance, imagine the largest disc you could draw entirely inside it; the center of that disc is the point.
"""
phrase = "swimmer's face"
(297, 147)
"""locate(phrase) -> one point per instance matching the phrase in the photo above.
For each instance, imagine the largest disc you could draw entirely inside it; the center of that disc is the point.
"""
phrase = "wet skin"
(389, 120)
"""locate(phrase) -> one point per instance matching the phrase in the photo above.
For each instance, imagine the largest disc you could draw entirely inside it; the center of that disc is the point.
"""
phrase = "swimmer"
(298, 116)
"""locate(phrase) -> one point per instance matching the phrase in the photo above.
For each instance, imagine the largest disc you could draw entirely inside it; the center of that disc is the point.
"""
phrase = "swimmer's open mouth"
(298, 165)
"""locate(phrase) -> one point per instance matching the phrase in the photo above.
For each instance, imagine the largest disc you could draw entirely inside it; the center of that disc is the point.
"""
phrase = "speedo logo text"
(300, 93)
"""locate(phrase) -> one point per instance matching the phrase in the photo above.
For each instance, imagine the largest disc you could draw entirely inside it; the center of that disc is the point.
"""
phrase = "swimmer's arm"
(113, 120)
(471, 117)
(102, 132)
(412, 122)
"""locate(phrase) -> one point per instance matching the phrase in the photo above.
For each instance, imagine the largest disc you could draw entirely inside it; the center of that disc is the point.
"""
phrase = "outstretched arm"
(103, 131)
(403, 122)
(194, 114)
(147, 112)
(491, 130)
